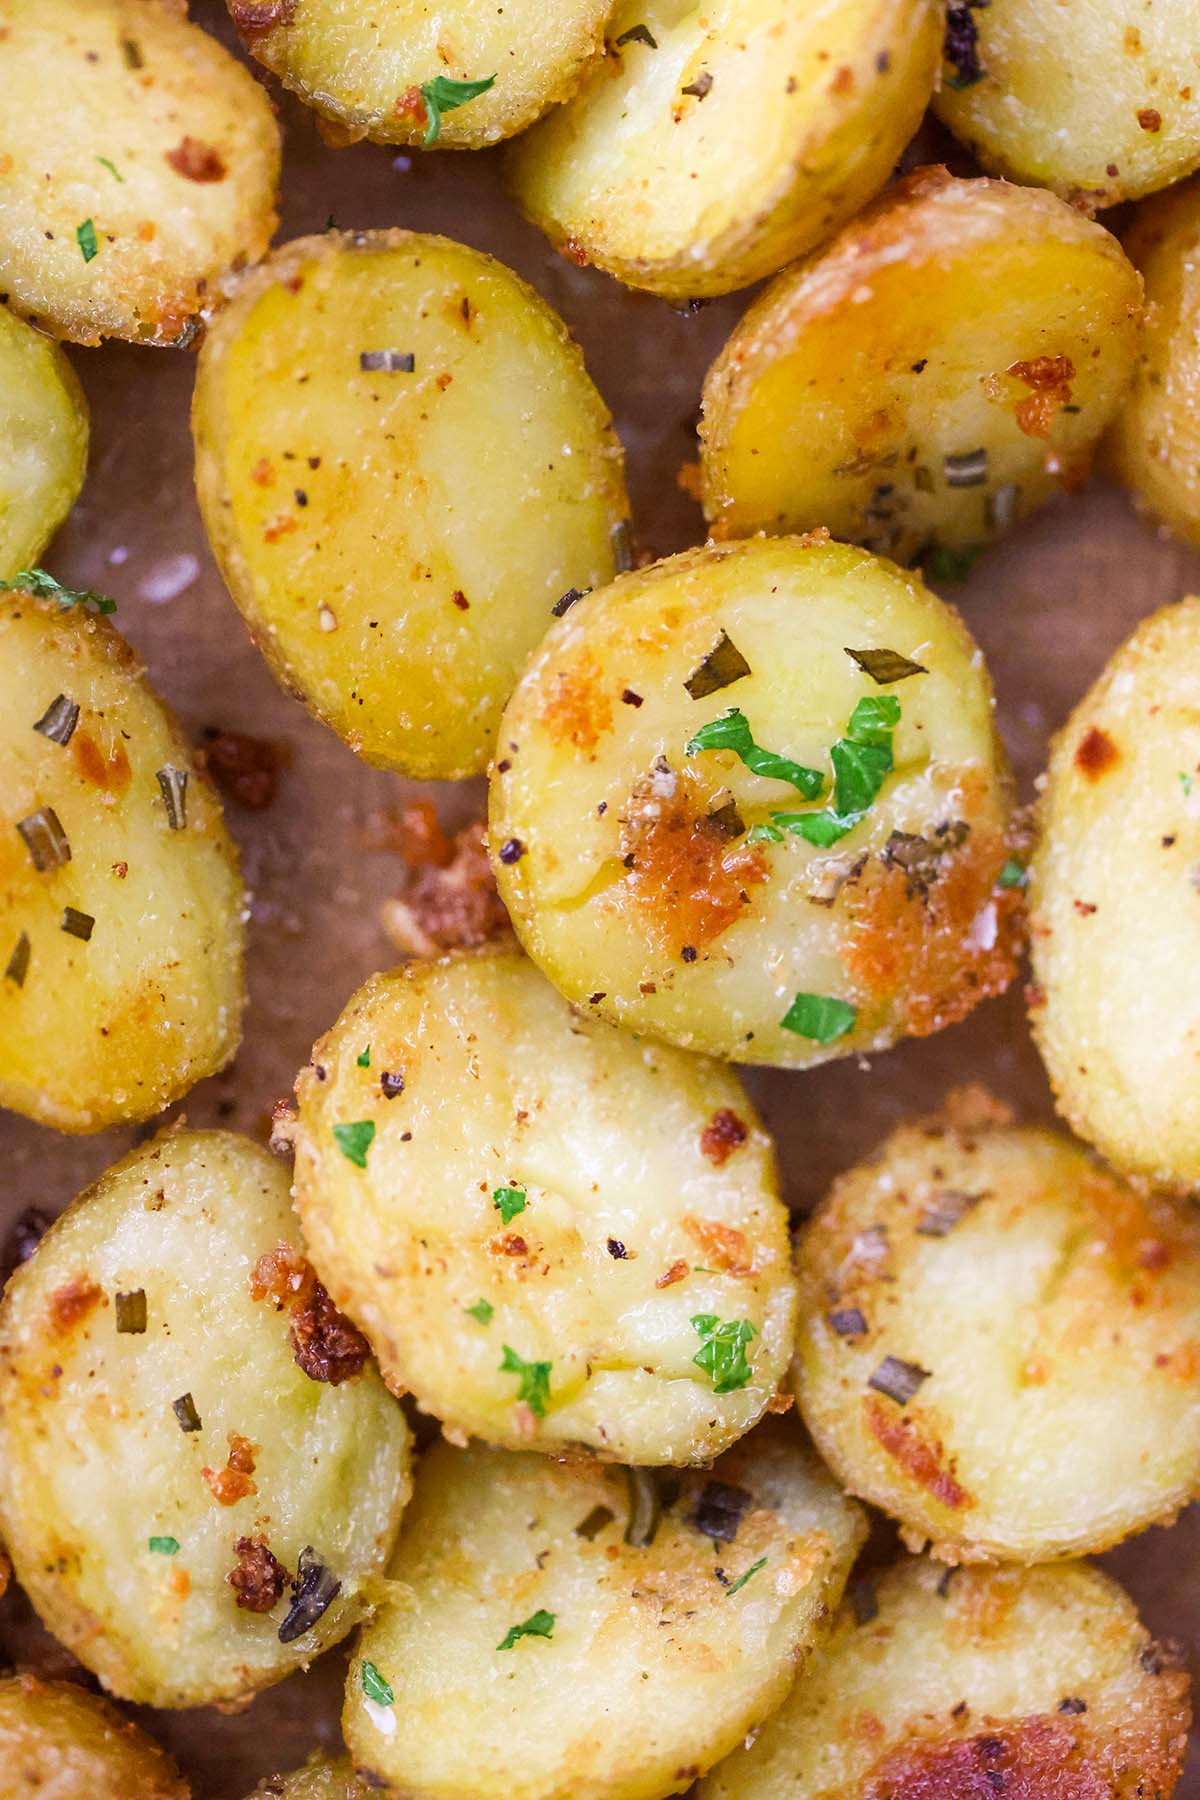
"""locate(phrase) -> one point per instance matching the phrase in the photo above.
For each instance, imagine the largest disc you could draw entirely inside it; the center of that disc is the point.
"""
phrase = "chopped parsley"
(538, 1624)
(732, 732)
(509, 1201)
(354, 1140)
(363, 1059)
(112, 168)
(483, 1311)
(722, 1353)
(534, 1386)
(375, 1687)
(1185, 782)
(743, 1579)
(44, 587)
(822, 1017)
(862, 761)
(441, 95)
(163, 1546)
(950, 562)
(1014, 874)
(85, 237)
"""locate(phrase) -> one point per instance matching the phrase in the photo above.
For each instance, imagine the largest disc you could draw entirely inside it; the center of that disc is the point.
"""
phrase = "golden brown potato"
(120, 900)
(402, 466)
(879, 388)
(714, 145)
(400, 74)
(1036, 1683)
(319, 1779)
(139, 166)
(570, 1632)
(43, 441)
(644, 811)
(999, 1342)
(1115, 912)
(551, 1234)
(58, 1742)
(200, 1470)
(1096, 102)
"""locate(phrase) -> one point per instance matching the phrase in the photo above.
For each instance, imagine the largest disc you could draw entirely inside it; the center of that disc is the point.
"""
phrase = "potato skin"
(403, 627)
(852, 385)
(1096, 104)
(1037, 1682)
(655, 1639)
(43, 442)
(743, 139)
(196, 148)
(633, 902)
(1056, 1315)
(113, 1028)
(59, 1742)
(319, 1779)
(95, 1461)
(1115, 934)
(363, 67)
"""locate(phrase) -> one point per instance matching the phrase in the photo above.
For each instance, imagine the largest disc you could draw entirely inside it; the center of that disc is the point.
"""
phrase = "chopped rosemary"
(59, 720)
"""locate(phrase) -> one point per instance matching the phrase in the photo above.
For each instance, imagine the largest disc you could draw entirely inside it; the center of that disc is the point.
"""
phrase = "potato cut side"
(1116, 915)
(200, 1470)
(717, 143)
(402, 466)
(365, 66)
(43, 442)
(998, 1341)
(826, 902)
(562, 1631)
(123, 207)
(120, 899)
(59, 1742)
(878, 389)
(1037, 1682)
(319, 1779)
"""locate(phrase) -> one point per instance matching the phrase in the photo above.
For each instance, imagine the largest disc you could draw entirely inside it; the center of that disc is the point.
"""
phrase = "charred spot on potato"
(253, 17)
(71, 1303)
(724, 1246)
(579, 710)
(258, 1578)
(233, 1482)
(1032, 1760)
(282, 1275)
(450, 904)
(105, 768)
(919, 1455)
(723, 1134)
(196, 160)
(682, 876)
(1096, 753)
(1050, 378)
(326, 1345)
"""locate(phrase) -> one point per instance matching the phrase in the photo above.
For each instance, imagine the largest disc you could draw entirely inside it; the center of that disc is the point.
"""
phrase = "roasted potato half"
(878, 389)
(58, 1742)
(551, 1233)
(319, 1779)
(711, 822)
(123, 207)
(43, 441)
(1115, 913)
(717, 143)
(398, 74)
(402, 466)
(562, 1631)
(998, 1341)
(200, 1469)
(1029, 1681)
(120, 899)
(1096, 103)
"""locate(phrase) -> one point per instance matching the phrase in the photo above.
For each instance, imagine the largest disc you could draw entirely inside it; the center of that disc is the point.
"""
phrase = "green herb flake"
(732, 732)
(483, 1311)
(43, 586)
(1185, 782)
(163, 1546)
(722, 1353)
(950, 563)
(1014, 874)
(112, 168)
(355, 1140)
(85, 237)
(534, 1386)
(441, 95)
(375, 1687)
(363, 1059)
(509, 1201)
(885, 666)
(538, 1624)
(743, 1579)
(821, 1017)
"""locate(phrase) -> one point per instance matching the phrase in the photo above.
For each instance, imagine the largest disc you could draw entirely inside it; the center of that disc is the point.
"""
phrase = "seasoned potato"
(671, 884)
(998, 1341)
(569, 1632)
(879, 389)
(716, 144)
(139, 166)
(1035, 1682)
(319, 1779)
(1116, 918)
(43, 441)
(58, 1742)
(402, 466)
(391, 73)
(552, 1234)
(1096, 102)
(199, 1468)
(120, 901)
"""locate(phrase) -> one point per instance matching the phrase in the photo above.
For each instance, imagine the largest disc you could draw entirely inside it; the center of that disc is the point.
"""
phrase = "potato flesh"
(94, 1461)
(116, 1026)
(796, 118)
(195, 146)
(1116, 939)
(1058, 1319)
(444, 510)
(579, 793)
(1043, 1677)
(649, 1638)
(858, 387)
(59, 1742)
(43, 442)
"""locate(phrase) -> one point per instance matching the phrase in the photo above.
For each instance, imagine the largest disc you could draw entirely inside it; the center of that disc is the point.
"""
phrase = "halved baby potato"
(999, 1341)
(553, 1235)
(1008, 1681)
(400, 73)
(1116, 907)
(319, 1779)
(402, 466)
(43, 441)
(563, 1631)
(200, 1470)
(751, 800)
(139, 163)
(59, 1742)
(716, 143)
(120, 899)
(879, 389)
